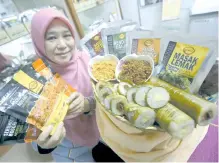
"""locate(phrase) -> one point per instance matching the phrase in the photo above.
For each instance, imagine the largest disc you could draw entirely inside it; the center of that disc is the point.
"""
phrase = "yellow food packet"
(186, 62)
(144, 43)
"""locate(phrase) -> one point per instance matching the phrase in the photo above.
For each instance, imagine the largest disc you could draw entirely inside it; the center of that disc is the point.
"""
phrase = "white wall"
(150, 17)
(130, 10)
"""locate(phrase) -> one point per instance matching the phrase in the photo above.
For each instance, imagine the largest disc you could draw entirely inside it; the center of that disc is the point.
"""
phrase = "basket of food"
(126, 90)
(151, 103)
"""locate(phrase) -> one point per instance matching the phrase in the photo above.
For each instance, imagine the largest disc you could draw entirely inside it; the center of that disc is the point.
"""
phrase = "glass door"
(91, 13)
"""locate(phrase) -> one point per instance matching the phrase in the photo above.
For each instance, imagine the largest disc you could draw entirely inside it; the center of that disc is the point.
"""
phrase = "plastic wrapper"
(114, 39)
(187, 60)
(174, 121)
(202, 111)
(93, 42)
(143, 117)
(144, 43)
(36, 96)
(16, 131)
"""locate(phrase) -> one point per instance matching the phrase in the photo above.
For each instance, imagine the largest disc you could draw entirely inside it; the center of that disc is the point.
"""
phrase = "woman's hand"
(46, 141)
(77, 104)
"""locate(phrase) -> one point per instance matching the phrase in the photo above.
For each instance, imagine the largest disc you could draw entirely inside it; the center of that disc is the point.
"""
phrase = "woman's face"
(59, 42)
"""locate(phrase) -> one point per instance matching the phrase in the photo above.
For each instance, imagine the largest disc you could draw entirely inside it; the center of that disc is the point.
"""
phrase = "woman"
(53, 39)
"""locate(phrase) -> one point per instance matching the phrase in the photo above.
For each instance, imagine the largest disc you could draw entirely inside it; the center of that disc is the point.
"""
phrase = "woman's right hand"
(46, 141)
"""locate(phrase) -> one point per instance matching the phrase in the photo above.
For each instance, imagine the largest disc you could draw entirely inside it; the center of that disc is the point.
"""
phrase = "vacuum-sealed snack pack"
(114, 39)
(93, 42)
(144, 43)
(36, 96)
(187, 60)
(14, 131)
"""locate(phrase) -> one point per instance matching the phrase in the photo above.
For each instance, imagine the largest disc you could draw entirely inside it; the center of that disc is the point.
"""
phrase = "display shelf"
(83, 6)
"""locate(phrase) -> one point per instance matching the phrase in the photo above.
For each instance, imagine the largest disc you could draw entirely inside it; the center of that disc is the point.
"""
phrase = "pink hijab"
(80, 129)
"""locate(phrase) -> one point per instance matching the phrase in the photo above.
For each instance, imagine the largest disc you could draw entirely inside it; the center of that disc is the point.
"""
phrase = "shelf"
(83, 6)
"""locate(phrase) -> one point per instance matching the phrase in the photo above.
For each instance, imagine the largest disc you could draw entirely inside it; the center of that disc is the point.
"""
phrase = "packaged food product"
(187, 60)
(201, 110)
(36, 97)
(144, 43)
(16, 131)
(174, 121)
(114, 39)
(93, 43)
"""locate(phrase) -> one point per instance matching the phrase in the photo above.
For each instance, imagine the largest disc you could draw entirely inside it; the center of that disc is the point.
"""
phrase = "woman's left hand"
(77, 103)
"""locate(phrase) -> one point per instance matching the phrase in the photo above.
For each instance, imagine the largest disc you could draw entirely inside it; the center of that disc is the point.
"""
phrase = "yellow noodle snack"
(104, 70)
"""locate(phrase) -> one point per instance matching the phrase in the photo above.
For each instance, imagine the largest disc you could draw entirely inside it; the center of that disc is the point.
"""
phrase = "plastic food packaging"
(174, 121)
(187, 60)
(202, 111)
(144, 43)
(93, 41)
(114, 39)
(36, 96)
(16, 131)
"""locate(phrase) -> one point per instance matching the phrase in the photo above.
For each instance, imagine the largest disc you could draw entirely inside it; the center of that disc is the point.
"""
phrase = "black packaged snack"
(12, 130)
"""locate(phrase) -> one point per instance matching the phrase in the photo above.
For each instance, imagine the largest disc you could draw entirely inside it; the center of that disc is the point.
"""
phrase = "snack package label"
(12, 130)
(149, 47)
(32, 134)
(184, 59)
(117, 44)
(28, 82)
(16, 100)
(95, 45)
